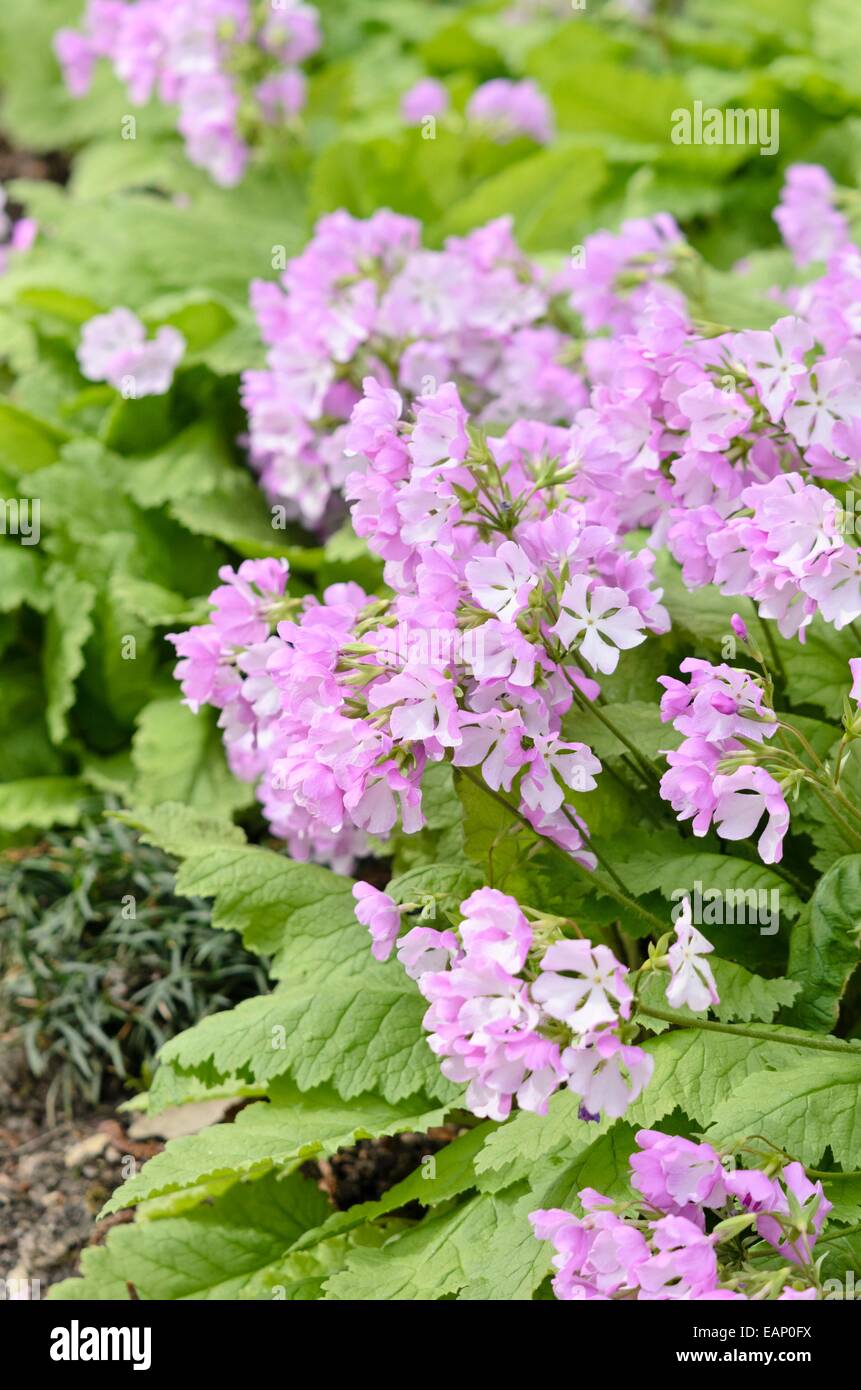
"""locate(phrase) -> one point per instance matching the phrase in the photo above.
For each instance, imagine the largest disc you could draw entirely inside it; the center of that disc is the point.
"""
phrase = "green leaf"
(26, 444)
(696, 1069)
(281, 1133)
(193, 463)
(211, 1252)
(549, 195)
(179, 756)
(673, 866)
(21, 578)
(301, 914)
(826, 946)
(804, 1111)
(67, 630)
(42, 801)
(361, 1033)
(179, 829)
(640, 721)
(234, 512)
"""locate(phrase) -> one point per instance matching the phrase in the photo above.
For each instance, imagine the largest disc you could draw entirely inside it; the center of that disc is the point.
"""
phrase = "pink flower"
(502, 583)
(607, 1074)
(743, 798)
(685, 1265)
(424, 948)
(583, 985)
(676, 1175)
(855, 672)
(381, 915)
(426, 98)
(508, 109)
(240, 604)
(113, 348)
(596, 1257)
(422, 705)
(829, 396)
(439, 434)
(494, 929)
(775, 361)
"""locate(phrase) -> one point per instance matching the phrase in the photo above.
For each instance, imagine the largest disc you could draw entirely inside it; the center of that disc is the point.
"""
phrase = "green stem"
(647, 767)
(772, 645)
(852, 833)
(759, 1032)
(605, 887)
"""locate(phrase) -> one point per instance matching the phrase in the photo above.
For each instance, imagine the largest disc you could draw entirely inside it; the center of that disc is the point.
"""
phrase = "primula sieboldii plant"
(230, 66)
(532, 455)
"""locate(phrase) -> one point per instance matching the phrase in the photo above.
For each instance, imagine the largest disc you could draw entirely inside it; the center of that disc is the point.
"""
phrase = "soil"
(21, 164)
(56, 1177)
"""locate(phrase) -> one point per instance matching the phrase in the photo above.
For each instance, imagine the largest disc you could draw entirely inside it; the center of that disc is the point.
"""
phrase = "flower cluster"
(114, 348)
(501, 110)
(506, 110)
(229, 66)
(366, 299)
(669, 1245)
(713, 777)
(727, 445)
(508, 591)
(512, 1017)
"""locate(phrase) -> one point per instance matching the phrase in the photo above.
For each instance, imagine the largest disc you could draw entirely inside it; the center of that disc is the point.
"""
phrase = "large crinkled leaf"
(300, 914)
(803, 1111)
(67, 630)
(362, 1033)
(211, 1252)
(547, 194)
(290, 1127)
(21, 577)
(182, 830)
(731, 890)
(826, 946)
(42, 801)
(179, 756)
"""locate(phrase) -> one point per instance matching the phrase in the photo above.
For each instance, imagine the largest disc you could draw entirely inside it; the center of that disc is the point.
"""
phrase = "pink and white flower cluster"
(669, 1245)
(499, 578)
(713, 779)
(365, 298)
(500, 109)
(190, 52)
(114, 348)
(512, 1019)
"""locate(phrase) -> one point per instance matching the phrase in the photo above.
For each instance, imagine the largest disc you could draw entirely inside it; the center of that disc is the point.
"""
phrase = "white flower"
(501, 583)
(602, 617)
(692, 983)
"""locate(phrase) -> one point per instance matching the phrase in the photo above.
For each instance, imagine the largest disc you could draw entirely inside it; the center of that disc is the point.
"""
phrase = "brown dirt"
(55, 1177)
